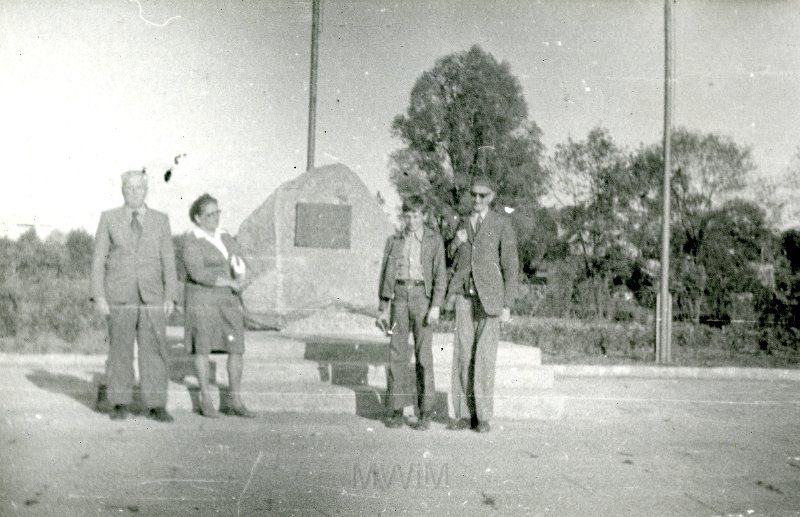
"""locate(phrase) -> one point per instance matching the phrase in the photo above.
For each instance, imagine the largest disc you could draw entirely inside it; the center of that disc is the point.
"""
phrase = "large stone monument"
(316, 242)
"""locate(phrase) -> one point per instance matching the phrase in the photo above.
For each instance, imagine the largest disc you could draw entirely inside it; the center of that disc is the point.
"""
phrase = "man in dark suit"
(413, 282)
(134, 285)
(484, 286)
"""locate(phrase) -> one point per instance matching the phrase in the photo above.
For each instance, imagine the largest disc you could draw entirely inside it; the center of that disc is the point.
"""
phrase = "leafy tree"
(707, 170)
(784, 307)
(80, 246)
(591, 178)
(537, 236)
(467, 117)
(734, 239)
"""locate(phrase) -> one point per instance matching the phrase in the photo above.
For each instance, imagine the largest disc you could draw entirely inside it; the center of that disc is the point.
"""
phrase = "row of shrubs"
(48, 306)
(45, 291)
(44, 287)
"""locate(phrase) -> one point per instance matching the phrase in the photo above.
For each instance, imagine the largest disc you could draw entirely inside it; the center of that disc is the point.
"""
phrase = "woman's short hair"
(199, 203)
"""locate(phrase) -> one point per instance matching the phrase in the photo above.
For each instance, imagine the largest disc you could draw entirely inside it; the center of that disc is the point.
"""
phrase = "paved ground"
(623, 446)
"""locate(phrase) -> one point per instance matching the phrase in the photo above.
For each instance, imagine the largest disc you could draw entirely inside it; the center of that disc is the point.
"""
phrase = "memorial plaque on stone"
(322, 225)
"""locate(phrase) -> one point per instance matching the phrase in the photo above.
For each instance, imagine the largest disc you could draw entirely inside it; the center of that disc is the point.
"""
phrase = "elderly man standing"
(134, 285)
(484, 286)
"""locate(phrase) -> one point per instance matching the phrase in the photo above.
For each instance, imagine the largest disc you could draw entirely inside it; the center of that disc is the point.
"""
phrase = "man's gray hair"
(129, 175)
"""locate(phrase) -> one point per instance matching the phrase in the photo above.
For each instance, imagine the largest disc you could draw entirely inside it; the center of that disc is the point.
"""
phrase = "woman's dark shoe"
(239, 410)
(483, 427)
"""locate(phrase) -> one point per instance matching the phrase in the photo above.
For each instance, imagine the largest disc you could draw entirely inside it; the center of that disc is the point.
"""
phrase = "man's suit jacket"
(434, 268)
(123, 269)
(491, 257)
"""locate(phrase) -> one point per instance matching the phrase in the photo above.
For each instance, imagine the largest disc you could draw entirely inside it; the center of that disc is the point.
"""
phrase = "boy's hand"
(461, 235)
(382, 321)
(433, 315)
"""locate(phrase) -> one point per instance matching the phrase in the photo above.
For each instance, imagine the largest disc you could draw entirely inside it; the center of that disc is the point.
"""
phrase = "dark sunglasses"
(479, 195)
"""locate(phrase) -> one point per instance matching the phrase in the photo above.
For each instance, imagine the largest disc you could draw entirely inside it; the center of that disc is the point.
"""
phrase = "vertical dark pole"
(312, 87)
(663, 345)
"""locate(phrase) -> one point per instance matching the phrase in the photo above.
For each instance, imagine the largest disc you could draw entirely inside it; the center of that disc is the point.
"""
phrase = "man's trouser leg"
(423, 341)
(122, 322)
(462, 353)
(487, 337)
(152, 340)
(399, 385)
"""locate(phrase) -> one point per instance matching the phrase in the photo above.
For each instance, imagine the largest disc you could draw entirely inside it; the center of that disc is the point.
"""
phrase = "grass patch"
(91, 341)
(574, 341)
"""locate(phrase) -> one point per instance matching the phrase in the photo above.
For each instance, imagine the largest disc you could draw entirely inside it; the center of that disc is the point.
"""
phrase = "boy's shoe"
(159, 414)
(459, 424)
(483, 427)
(396, 420)
(423, 424)
(119, 412)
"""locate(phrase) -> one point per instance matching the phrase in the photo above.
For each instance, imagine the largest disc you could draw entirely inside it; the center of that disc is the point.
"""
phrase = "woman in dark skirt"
(214, 317)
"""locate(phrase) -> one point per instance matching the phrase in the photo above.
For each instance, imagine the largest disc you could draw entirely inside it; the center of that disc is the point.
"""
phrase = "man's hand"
(505, 315)
(433, 315)
(461, 235)
(169, 307)
(101, 306)
(382, 320)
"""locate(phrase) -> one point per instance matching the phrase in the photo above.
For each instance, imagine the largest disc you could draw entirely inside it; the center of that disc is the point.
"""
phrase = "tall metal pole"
(312, 87)
(663, 345)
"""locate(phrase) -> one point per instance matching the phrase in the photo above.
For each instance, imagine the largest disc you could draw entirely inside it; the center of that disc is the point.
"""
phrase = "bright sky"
(91, 88)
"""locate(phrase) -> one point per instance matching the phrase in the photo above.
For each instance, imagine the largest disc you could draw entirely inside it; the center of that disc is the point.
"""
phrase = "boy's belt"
(415, 283)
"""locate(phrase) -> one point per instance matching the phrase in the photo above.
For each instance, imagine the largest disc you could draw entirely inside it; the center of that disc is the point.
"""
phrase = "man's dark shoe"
(423, 424)
(395, 421)
(459, 424)
(159, 414)
(483, 427)
(119, 412)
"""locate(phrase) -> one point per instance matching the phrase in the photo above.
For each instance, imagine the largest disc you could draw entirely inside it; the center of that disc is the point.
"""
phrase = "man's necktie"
(136, 224)
(478, 223)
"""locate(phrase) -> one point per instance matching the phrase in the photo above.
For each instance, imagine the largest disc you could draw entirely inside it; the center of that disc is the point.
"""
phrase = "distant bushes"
(580, 341)
(45, 286)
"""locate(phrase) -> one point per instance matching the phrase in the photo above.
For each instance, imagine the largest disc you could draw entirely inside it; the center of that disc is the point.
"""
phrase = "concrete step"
(301, 397)
(353, 360)
(369, 348)
(81, 384)
(358, 374)
(365, 401)
(375, 349)
(352, 374)
(347, 374)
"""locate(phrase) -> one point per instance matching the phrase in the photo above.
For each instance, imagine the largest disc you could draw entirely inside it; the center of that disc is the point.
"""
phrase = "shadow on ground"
(93, 393)
(81, 390)
(348, 364)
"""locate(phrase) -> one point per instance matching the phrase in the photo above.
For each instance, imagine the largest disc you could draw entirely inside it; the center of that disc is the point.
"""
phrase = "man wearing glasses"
(484, 286)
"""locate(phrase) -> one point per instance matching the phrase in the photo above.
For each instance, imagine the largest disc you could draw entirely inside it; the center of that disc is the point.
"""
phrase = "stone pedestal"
(316, 241)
